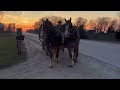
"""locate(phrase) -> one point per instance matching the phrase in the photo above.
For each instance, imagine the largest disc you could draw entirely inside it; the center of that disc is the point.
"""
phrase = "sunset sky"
(26, 19)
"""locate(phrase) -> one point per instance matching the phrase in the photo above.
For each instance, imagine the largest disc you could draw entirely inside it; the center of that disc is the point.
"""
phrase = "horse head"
(68, 27)
(47, 26)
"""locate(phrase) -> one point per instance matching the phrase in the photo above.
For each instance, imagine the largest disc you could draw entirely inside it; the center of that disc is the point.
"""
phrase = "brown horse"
(71, 40)
(52, 40)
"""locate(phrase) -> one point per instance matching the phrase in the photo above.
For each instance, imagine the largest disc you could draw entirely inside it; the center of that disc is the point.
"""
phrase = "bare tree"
(92, 24)
(37, 25)
(114, 24)
(13, 27)
(53, 19)
(102, 24)
(80, 21)
(118, 14)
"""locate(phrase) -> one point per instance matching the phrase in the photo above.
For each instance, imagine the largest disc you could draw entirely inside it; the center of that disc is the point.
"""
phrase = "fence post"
(19, 39)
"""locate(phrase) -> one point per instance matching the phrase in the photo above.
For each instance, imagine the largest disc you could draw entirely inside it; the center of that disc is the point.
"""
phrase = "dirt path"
(36, 66)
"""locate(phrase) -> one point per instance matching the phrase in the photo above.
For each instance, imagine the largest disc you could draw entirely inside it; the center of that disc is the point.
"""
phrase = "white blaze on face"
(66, 31)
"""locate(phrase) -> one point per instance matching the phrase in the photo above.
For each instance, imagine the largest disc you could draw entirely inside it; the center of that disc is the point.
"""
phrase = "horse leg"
(63, 48)
(71, 54)
(57, 55)
(51, 58)
(76, 50)
(46, 51)
(75, 54)
(62, 37)
(54, 51)
(43, 46)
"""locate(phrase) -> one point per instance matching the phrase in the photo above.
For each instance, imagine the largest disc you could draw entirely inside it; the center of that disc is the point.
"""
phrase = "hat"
(59, 22)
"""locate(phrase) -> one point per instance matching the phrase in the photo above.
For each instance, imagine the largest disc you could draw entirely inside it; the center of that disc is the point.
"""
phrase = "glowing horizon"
(25, 19)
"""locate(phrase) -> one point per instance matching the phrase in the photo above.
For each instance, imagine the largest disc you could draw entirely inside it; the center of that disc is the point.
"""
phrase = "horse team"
(63, 35)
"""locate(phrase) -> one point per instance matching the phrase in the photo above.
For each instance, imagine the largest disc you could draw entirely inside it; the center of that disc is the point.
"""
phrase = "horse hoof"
(75, 61)
(57, 62)
(47, 54)
(70, 65)
(51, 66)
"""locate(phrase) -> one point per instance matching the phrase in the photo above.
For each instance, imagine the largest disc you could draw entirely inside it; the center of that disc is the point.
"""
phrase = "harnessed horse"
(70, 38)
(52, 41)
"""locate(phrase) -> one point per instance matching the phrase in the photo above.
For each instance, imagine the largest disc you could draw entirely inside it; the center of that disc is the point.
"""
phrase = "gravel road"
(36, 65)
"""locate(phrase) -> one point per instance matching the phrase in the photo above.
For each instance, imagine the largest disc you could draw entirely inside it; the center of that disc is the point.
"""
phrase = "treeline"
(98, 25)
(7, 27)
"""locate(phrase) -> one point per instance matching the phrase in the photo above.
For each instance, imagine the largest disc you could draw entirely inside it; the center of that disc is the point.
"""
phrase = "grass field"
(7, 49)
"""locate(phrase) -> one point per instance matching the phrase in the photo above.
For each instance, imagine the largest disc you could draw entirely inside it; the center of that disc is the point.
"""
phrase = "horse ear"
(70, 18)
(42, 20)
(46, 19)
(65, 20)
